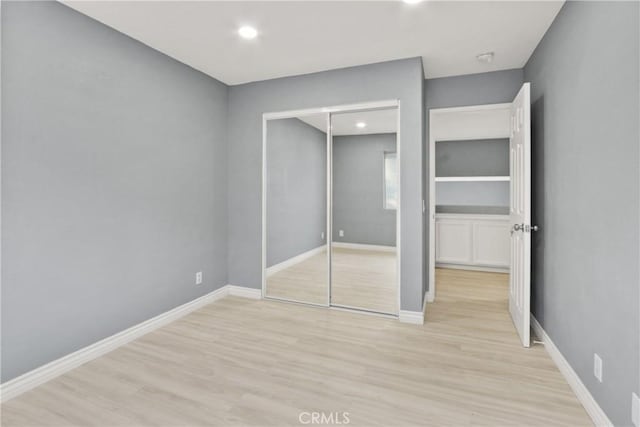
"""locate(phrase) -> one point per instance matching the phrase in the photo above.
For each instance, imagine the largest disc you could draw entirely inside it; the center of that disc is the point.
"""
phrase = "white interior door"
(520, 213)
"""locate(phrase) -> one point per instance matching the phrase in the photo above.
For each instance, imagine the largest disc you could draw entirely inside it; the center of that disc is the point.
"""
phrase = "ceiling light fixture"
(247, 32)
(485, 58)
(412, 1)
(361, 125)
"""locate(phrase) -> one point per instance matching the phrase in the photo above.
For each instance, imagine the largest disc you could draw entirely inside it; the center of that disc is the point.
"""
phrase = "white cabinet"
(472, 240)
(453, 241)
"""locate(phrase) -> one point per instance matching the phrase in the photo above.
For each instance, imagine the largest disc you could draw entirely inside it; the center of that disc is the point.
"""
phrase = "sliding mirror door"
(297, 267)
(365, 196)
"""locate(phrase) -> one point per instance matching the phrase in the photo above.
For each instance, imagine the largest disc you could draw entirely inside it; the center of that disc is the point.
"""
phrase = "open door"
(520, 213)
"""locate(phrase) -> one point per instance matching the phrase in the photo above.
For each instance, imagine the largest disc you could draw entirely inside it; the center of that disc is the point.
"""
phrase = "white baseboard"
(295, 260)
(473, 268)
(345, 245)
(414, 317)
(596, 413)
(51, 370)
(244, 292)
(430, 295)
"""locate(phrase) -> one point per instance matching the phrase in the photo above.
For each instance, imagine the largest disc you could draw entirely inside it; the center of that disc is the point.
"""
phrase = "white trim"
(431, 292)
(399, 208)
(472, 108)
(596, 413)
(329, 200)
(360, 310)
(392, 103)
(263, 207)
(295, 301)
(430, 296)
(244, 292)
(413, 317)
(363, 247)
(294, 260)
(472, 268)
(472, 178)
(51, 370)
(473, 216)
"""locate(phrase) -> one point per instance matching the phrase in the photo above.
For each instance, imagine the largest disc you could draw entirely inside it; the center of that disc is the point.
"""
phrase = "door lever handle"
(524, 228)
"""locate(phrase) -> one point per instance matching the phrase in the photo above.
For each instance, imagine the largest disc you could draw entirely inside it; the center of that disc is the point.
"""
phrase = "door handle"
(524, 228)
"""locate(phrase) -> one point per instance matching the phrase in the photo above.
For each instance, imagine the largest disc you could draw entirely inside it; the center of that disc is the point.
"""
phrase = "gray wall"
(472, 158)
(473, 89)
(585, 94)
(358, 190)
(459, 91)
(401, 80)
(477, 193)
(482, 157)
(296, 189)
(113, 183)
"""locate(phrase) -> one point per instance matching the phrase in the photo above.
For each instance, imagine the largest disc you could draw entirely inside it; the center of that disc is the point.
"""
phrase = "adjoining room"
(473, 155)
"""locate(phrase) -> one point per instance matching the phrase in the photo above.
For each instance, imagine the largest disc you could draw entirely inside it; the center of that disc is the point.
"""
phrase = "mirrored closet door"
(365, 201)
(295, 194)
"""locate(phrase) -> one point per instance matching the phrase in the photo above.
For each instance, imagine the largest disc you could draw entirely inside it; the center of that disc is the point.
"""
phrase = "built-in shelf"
(472, 210)
(471, 178)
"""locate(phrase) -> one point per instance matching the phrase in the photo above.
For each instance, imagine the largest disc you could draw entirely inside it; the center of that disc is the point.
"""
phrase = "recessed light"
(485, 58)
(411, 1)
(247, 32)
(361, 125)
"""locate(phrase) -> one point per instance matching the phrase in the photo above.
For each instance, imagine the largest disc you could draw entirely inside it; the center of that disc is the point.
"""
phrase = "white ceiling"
(298, 37)
(377, 121)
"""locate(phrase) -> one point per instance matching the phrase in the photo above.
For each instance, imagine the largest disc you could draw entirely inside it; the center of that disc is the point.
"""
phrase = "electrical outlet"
(635, 409)
(597, 366)
(199, 278)
(341, 233)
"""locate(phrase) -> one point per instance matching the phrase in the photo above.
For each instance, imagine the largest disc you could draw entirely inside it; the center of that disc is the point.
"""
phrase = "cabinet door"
(491, 243)
(453, 242)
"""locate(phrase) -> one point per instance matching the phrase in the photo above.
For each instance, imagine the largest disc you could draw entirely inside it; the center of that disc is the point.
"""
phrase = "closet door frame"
(486, 121)
(346, 108)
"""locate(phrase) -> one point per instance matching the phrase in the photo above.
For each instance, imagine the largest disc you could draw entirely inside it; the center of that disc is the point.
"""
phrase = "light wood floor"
(250, 362)
(360, 278)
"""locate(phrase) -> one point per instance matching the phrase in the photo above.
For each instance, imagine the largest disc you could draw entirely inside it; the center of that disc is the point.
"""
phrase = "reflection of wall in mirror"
(296, 189)
(359, 189)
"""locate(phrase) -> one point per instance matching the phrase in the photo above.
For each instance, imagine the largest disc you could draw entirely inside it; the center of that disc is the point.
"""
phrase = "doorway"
(331, 201)
(479, 199)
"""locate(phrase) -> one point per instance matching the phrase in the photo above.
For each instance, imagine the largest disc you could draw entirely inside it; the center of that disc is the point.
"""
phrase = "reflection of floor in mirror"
(364, 279)
(305, 281)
